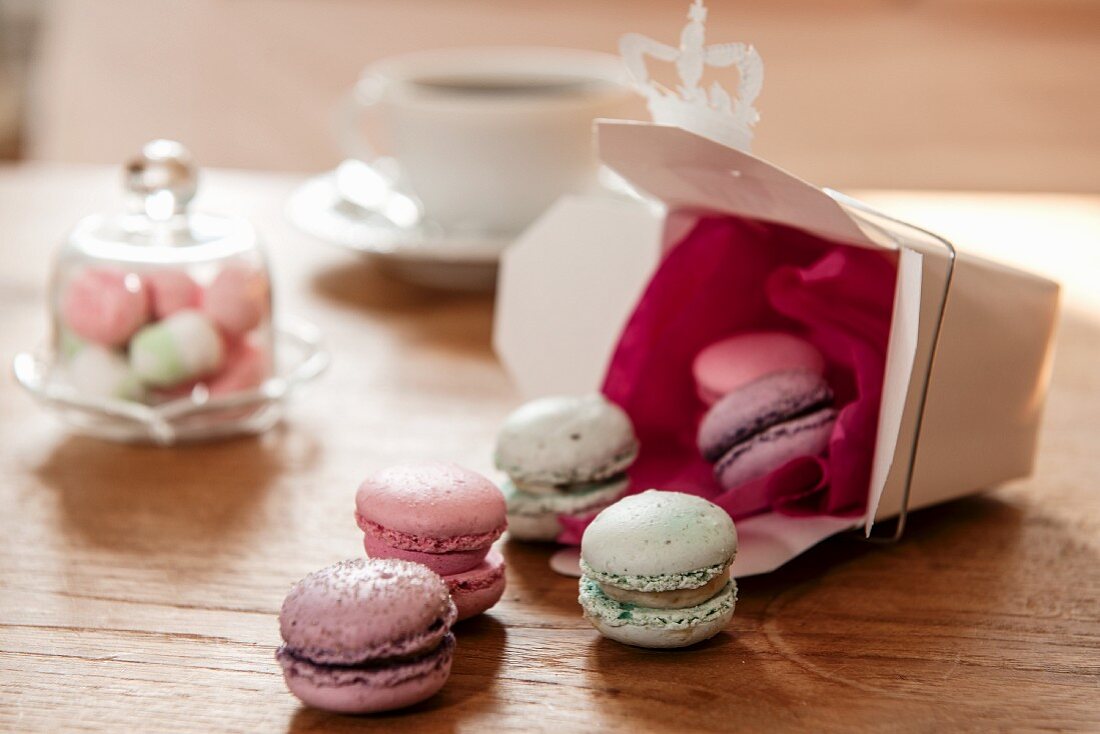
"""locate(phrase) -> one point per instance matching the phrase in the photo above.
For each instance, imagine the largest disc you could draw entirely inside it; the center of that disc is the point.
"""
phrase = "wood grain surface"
(139, 587)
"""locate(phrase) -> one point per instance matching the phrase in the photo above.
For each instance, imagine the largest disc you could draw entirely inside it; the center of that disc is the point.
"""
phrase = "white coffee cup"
(487, 138)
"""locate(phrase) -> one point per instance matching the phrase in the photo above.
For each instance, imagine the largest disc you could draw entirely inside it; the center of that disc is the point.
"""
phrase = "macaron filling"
(786, 407)
(566, 477)
(662, 582)
(382, 671)
(483, 577)
(428, 639)
(598, 605)
(426, 543)
(595, 496)
(672, 599)
(813, 428)
(578, 487)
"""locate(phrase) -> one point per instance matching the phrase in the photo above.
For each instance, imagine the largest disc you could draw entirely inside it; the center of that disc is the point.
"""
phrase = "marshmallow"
(180, 348)
(68, 343)
(238, 299)
(171, 291)
(105, 306)
(246, 367)
(96, 371)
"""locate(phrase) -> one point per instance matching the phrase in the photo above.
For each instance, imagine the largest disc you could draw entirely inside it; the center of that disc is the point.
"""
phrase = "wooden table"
(139, 587)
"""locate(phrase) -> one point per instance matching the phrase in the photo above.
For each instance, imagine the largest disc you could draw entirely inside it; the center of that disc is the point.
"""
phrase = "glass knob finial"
(162, 180)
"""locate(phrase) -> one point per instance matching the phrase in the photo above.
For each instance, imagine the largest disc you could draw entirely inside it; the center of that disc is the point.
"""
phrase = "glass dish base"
(299, 358)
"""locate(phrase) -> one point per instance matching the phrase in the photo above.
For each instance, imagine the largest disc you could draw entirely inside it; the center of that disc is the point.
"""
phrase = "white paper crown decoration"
(711, 112)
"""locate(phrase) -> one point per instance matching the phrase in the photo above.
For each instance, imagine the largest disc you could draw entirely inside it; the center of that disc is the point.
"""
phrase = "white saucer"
(388, 227)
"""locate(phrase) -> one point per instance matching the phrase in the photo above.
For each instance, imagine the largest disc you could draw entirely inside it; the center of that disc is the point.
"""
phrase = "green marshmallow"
(156, 358)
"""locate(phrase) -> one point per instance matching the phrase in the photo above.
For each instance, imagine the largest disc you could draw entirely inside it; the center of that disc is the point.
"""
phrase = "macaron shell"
(758, 405)
(565, 440)
(767, 451)
(731, 363)
(663, 638)
(597, 496)
(479, 589)
(433, 499)
(656, 628)
(365, 693)
(442, 563)
(534, 517)
(659, 533)
(360, 609)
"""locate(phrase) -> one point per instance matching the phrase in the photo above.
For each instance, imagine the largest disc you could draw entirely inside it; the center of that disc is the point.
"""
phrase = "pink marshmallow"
(238, 299)
(171, 291)
(105, 306)
(246, 367)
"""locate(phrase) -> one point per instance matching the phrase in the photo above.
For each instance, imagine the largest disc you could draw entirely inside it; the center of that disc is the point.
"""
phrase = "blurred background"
(942, 94)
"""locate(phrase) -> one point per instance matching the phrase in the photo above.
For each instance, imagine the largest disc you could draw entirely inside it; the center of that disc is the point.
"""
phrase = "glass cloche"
(162, 318)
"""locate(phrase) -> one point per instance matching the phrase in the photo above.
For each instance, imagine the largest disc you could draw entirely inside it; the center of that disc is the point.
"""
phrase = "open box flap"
(687, 171)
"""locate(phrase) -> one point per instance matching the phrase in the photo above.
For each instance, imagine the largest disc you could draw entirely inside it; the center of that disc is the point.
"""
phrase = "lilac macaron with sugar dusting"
(763, 425)
(363, 636)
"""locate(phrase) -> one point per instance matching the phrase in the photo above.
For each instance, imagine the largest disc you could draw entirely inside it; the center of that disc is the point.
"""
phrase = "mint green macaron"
(565, 455)
(656, 570)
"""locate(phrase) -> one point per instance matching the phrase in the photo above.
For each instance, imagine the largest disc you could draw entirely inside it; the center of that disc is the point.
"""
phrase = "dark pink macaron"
(367, 635)
(443, 516)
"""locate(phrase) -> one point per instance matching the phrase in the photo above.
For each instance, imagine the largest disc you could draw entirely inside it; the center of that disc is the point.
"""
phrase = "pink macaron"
(443, 516)
(105, 306)
(363, 636)
(171, 291)
(238, 299)
(479, 589)
(726, 365)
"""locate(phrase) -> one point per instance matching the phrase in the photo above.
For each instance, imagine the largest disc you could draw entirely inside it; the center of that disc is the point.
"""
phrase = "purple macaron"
(367, 635)
(761, 426)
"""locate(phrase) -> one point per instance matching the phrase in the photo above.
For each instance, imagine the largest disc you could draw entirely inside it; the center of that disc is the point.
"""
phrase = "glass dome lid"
(158, 225)
(163, 318)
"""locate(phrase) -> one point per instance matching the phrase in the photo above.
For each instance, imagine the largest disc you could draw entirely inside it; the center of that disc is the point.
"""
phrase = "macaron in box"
(735, 361)
(763, 425)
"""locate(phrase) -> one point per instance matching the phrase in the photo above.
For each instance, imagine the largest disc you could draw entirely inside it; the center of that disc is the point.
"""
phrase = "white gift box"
(970, 341)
